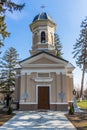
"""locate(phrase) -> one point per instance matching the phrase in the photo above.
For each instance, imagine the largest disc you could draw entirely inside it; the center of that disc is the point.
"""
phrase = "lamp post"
(74, 99)
(74, 92)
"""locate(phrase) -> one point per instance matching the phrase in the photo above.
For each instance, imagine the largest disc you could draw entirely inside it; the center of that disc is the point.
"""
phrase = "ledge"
(43, 79)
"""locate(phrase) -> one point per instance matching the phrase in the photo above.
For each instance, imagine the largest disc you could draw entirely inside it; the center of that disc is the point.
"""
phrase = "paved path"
(51, 120)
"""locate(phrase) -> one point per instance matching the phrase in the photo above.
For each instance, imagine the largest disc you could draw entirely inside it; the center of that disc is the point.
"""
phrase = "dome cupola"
(42, 16)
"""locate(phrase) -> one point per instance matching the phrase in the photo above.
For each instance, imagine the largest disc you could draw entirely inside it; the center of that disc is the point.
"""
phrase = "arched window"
(43, 37)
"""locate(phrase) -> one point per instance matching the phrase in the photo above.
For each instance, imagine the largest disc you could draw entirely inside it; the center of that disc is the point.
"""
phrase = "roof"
(42, 16)
(45, 53)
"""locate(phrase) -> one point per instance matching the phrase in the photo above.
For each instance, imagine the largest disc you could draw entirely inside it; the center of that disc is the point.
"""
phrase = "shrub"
(71, 110)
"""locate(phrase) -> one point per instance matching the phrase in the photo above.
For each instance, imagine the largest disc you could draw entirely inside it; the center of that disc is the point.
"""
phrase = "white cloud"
(16, 15)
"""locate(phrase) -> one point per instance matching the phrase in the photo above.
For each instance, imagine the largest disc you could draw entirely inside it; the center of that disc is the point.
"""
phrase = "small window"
(43, 39)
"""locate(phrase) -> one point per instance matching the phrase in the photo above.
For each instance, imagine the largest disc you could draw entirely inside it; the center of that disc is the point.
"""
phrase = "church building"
(43, 80)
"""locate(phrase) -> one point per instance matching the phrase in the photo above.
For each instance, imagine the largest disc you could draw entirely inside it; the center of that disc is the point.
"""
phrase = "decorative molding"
(42, 71)
(45, 65)
(27, 102)
(24, 103)
(59, 103)
(42, 79)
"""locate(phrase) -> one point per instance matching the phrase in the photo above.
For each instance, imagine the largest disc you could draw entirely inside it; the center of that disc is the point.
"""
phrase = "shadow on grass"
(79, 120)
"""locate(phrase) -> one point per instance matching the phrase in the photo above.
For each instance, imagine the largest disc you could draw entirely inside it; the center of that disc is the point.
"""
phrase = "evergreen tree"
(3, 30)
(80, 52)
(7, 75)
(58, 45)
(6, 5)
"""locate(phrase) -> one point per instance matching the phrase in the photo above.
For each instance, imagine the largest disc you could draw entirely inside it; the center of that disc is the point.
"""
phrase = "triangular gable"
(43, 58)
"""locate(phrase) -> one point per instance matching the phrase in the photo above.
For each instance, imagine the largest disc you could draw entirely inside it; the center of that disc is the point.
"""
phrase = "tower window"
(43, 37)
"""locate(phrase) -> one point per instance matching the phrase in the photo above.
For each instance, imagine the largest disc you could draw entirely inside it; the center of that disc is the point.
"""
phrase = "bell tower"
(43, 29)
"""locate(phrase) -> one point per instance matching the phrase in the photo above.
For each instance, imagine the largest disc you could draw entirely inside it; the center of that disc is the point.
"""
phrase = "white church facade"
(43, 81)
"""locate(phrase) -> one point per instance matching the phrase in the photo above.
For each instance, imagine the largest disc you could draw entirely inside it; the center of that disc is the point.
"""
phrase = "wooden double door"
(43, 97)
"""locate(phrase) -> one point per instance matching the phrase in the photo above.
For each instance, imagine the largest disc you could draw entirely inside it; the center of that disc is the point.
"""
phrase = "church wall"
(61, 87)
(69, 88)
(40, 46)
(16, 94)
(58, 86)
(64, 88)
(35, 39)
(16, 89)
(23, 87)
(31, 89)
(55, 86)
(28, 107)
(51, 31)
(57, 103)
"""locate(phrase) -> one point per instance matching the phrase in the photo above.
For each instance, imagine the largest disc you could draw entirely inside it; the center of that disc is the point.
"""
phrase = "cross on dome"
(43, 7)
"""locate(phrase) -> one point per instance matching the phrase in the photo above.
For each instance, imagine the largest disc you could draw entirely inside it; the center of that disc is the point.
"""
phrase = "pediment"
(43, 59)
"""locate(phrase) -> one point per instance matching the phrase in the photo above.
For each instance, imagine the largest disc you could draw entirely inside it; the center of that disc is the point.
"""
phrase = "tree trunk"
(82, 81)
(83, 73)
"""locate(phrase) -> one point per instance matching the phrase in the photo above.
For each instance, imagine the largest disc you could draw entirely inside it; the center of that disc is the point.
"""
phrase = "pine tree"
(10, 6)
(80, 52)
(6, 5)
(7, 75)
(58, 45)
(3, 30)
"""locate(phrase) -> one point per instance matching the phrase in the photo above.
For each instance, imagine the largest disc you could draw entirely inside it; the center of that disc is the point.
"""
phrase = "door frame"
(45, 85)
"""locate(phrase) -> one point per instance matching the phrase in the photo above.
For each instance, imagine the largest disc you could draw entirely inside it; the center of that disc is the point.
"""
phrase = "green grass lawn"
(82, 104)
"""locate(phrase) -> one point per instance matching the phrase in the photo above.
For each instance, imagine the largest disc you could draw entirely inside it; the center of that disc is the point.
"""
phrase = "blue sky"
(67, 14)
